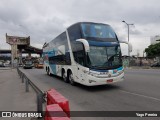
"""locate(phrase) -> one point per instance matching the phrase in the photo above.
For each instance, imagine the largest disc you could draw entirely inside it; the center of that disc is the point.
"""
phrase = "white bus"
(86, 53)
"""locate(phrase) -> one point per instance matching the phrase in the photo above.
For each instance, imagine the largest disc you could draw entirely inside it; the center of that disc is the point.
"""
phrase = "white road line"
(149, 97)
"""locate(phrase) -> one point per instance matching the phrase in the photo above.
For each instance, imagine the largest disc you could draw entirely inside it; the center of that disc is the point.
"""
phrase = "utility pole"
(128, 39)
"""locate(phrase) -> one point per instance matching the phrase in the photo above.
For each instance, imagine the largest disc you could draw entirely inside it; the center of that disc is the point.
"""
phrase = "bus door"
(79, 57)
(80, 67)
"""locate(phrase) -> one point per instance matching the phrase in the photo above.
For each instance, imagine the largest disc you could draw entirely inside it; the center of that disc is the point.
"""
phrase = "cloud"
(43, 20)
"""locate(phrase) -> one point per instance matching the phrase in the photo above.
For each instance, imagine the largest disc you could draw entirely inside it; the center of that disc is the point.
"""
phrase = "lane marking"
(149, 97)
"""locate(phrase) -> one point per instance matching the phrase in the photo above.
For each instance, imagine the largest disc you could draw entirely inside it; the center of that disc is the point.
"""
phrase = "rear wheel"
(47, 70)
(64, 77)
(71, 79)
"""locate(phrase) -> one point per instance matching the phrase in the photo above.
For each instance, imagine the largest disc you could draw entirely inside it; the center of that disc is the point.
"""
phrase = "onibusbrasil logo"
(21, 114)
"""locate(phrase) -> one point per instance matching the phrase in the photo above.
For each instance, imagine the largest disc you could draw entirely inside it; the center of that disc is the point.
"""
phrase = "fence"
(137, 62)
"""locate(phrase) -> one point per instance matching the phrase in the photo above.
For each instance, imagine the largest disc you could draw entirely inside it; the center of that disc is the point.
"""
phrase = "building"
(155, 39)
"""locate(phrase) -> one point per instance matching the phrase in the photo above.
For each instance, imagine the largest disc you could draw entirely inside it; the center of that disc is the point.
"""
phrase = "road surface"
(139, 92)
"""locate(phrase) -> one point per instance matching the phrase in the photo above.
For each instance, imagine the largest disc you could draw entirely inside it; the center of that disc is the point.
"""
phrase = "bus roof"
(87, 23)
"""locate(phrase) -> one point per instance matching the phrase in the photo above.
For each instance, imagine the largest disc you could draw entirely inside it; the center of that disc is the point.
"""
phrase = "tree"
(153, 50)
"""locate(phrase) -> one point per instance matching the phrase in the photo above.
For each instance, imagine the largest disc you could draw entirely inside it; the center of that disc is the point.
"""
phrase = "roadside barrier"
(55, 112)
(40, 95)
(53, 97)
(57, 105)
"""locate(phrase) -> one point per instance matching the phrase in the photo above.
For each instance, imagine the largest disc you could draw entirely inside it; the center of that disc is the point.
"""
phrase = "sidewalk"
(13, 96)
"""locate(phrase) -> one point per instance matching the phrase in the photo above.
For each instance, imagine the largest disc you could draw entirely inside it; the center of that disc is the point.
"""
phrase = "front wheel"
(71, 79)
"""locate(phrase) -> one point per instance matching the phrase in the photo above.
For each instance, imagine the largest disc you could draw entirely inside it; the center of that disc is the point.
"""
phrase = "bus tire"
(48, 72)
(46, 69)
(64, 77)
(70, 78)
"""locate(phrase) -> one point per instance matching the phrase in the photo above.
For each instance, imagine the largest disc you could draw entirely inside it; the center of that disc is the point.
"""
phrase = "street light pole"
(128, 39)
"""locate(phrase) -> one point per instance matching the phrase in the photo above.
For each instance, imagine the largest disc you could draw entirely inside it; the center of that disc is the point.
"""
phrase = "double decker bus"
(87, 53)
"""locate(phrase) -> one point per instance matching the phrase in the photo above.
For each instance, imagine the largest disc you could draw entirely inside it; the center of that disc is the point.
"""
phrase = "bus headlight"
(85, 71)
(91, 73)
(98, 74)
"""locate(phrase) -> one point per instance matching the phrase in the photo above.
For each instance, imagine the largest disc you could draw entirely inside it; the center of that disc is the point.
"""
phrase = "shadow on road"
(98, 88)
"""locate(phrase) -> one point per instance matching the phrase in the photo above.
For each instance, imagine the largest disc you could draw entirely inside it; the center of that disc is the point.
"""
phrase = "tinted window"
(74, 32)
(60, 40)
(97, 30)
(60, 54)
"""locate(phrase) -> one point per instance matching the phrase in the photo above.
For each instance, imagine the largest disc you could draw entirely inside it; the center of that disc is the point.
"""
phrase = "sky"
(43, 20)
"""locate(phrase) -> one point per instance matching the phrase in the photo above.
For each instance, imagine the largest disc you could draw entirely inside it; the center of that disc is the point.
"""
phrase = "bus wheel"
(70, 77)
(64, 77)
(47, 69)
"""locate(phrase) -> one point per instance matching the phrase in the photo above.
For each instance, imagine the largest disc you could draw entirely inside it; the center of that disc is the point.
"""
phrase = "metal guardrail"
(40, 95)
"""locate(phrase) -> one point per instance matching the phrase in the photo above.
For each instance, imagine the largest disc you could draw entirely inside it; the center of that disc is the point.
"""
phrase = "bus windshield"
(104, 57)
(97, 31)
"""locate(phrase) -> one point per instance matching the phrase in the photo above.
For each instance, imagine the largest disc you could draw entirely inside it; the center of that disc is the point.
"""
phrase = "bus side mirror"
(85, 43)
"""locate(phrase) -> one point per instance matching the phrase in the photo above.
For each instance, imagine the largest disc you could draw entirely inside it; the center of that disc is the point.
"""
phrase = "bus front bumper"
(93, 81)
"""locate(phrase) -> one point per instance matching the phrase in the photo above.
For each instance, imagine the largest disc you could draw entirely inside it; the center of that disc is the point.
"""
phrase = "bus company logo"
(6, 114)
(109, 75)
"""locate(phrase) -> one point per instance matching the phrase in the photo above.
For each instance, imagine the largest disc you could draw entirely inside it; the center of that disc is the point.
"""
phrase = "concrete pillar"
(20, 56)
(14, 55)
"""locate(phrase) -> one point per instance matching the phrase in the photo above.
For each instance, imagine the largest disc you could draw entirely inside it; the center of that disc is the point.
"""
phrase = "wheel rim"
(71, 78)
(64, 77)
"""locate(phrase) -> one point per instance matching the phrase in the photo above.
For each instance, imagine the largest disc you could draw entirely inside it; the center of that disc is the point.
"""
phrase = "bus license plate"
(109, 81)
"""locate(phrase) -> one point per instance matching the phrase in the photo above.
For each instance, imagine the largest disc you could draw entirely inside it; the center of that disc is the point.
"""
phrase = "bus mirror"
(85, 43)
(121, 41)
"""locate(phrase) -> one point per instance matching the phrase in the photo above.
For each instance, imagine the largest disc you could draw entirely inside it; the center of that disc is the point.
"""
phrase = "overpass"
(26, 49)
(20, 45)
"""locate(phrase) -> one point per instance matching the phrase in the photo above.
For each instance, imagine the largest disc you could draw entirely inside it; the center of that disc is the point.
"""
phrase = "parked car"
(155, 65)
(2, 64)
(7, 63)
(28, 64)
(38, 65)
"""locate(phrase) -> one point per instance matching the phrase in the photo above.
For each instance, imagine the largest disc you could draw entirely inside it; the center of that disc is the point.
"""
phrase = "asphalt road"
(139, 92)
